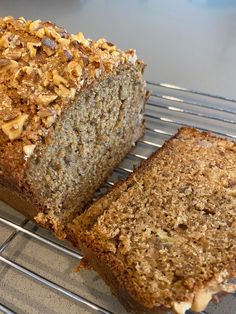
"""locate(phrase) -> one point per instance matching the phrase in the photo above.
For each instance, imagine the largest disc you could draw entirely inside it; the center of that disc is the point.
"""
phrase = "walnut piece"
(63, 91)
(14, 128)
(49, 46)
(28, 150)
(40, 63)
(34, 26)
(58, 79)
(201, 299)
(74, 69)
(6, 64)
(181, 307)
(45, 100)
(33, 48)
(49, 121)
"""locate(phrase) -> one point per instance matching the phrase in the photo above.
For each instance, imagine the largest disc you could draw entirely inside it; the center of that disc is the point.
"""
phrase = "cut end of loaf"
(167, 234)
(93, 136)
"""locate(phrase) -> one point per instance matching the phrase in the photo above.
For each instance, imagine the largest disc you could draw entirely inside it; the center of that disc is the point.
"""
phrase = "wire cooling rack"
(168, 108)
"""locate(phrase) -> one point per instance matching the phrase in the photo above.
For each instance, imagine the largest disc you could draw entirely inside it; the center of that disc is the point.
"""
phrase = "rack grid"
(169, 107)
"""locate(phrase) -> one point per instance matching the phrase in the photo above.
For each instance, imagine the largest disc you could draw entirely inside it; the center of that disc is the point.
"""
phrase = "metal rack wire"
(168, 108)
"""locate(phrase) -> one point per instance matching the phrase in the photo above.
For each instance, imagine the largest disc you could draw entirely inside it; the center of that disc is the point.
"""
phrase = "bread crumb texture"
(42, 68)
(168, 233)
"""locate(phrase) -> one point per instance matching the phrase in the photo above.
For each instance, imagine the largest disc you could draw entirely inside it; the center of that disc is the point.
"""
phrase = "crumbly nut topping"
(14, 128)
(42, 68)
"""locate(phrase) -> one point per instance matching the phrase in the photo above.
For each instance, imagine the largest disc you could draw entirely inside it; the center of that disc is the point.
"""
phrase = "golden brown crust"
(97, 233)
(17, 201)
(42, 69)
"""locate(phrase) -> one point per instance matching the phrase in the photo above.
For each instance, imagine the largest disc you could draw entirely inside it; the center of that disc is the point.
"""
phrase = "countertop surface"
(189, 43)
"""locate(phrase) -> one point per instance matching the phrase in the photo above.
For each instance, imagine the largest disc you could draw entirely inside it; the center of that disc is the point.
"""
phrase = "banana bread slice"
(70, 109)
(165, 239)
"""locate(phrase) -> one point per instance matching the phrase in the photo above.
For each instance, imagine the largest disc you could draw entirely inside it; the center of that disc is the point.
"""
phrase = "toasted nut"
(14, 128)
(79, 37)
(46, 99)
(6, 64)
(64, 41)
(68, 55)
(74, 69)
(132, 57)
(49, 121)
(181, 307)
(100, 42)
(28, 150)
(204, 296)
(62, 91)
(201, 299)
(58, 110)
(58, 79)
(47, 78)
(48, 51)
(34, 26)
(4, 42)
(33, 48)
(22, 71)
(21, 18)
(51, 32)
(8, 18)
(40, 33)
(12, 54)
(50, 43)
(44, 113)
(115, 54)
(108, 46)
(97, 73)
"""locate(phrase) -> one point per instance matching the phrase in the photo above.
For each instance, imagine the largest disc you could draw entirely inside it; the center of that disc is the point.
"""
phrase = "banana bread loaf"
(70, 109)
(165, 239)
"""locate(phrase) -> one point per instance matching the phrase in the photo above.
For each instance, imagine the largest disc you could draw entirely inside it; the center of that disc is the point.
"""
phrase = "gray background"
(191, 43)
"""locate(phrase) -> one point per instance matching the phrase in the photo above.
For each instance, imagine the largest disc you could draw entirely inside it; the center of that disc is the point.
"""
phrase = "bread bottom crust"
(18, 201)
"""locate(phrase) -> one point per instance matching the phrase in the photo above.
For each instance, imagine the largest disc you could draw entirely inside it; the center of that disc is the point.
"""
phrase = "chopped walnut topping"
(45, 100)
(182, 307)
(42, 66)
(49, 46)
(74, 69)
(68, 55)
(12, 54)
(6, 64)
(34, 26)
(58, 79)
(14, 128)
(49, 121)
(62, 91)
(4, 41)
